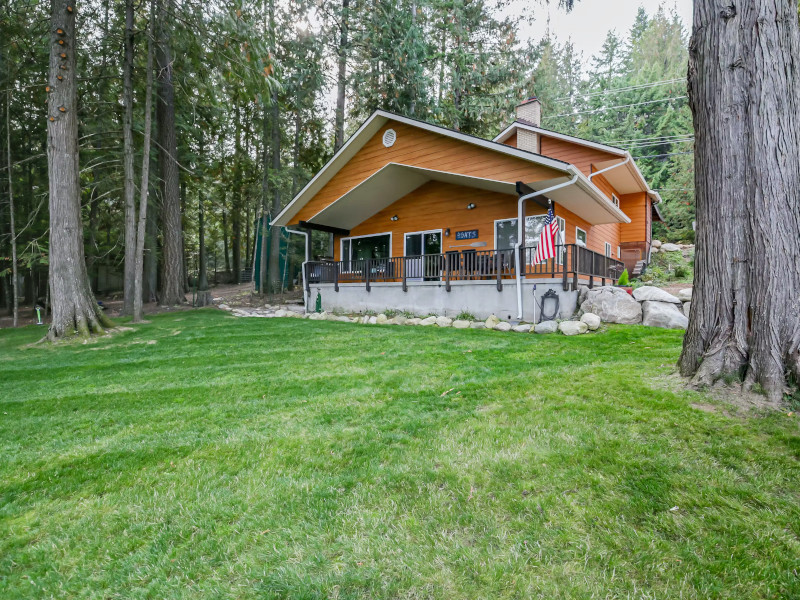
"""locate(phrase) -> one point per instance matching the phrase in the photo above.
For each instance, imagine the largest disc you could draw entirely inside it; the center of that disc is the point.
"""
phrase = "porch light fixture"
(470, 206)
(394, 218)
(447, 232)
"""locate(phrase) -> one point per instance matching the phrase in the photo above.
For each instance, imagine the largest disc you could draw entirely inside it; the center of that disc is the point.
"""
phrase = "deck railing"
(571, 263)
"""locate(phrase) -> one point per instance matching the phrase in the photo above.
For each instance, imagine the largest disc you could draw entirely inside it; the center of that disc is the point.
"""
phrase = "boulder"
(612, 305)
(592, 321)
(399, 320)
(224, 307)
(583, 291)
(649, 292)
(663, 314)
(546, 327)
(502, 326)
(373, 320)
(573, 327)
(685, 295)
(477, 325)
(413, 321)
(282, 313)
(656, 243)
(653, 250)
(342, 319)
(444, 321)
(313, 316)
(670, 248)
(491, 322)
(461, 324)
(522, 328)
(381, 319)
(428, 321)
(686, 307)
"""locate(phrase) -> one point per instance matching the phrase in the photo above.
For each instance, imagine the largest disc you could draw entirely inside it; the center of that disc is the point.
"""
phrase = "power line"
(660, 155)
(629, 88)
(597, 110)
(654, 137)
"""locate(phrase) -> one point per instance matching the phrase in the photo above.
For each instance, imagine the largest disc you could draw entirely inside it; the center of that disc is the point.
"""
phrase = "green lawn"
(205, 456)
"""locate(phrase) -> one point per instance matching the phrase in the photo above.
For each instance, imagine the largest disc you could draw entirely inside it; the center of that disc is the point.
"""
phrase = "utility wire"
(597, 110)
(629, 88)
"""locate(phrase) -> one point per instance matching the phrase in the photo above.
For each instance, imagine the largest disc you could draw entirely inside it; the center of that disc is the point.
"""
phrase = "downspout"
(624, 162)
(521, 233)
(303, 268)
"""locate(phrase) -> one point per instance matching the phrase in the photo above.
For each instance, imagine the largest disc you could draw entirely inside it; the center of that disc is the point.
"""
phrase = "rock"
(294, 315)
(414, 321)
(653, 250)
(656, 243)
(663, 314)
(502, 326)
(685, 295)
(583, 291)
(313, 316)
(522, 328)
(282, 313)
(444, 321)
(461, 324)
(224, 307)
(399, 320)
(477, 325)
(491, 322)
(670, 248)
(573, 327)
(343, 319)
(648, 292)
(381, 319)
(686, 307)
(546, 327)
(428, 321)
(592, 321)
(373, 321)
(612, 305)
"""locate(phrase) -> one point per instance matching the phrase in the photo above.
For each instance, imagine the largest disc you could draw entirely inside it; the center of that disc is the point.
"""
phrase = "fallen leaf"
(447, 392)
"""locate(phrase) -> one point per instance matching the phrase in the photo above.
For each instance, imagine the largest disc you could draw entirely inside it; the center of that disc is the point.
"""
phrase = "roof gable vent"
(389, 137)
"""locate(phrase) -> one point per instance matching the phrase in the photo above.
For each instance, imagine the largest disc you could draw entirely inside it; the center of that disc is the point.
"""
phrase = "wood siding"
(636, 207)
(580, 156)
(437, 205)
(418, 147)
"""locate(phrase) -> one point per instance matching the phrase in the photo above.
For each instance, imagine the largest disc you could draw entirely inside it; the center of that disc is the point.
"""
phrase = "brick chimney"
(529, 113)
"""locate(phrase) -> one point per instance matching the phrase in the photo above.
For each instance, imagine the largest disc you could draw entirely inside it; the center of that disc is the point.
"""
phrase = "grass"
(205, 456)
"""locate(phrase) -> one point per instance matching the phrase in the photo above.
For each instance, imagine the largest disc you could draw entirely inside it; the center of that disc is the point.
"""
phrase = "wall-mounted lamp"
(447, 232)
(470, 206)
(394, 218)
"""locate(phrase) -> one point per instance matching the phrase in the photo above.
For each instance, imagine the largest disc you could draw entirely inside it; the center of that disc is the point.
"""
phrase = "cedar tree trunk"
(341, 77)
(74, 305)
(127, 164)
(744, 90)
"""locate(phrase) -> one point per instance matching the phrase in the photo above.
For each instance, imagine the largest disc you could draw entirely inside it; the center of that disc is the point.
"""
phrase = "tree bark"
(341, 77)
(273, 271)
(744, 90)
(74, 306)
(262, 265)
(145, 183)
(203, 295)
(129, 191)
(236, 213)
(12, 225)
(171, 284)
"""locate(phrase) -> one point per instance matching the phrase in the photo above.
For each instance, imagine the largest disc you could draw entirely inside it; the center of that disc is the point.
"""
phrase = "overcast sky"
(590, 20)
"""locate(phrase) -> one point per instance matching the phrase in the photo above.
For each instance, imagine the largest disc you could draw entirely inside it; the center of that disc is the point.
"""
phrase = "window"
(580, 236)
(366, 246)
(619, 253)
(615, 200)
(505, 232)
(608, 250)
(562, 239)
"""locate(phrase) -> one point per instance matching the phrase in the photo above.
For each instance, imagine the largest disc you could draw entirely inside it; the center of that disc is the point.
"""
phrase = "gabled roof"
(623, 180)
(379, 118)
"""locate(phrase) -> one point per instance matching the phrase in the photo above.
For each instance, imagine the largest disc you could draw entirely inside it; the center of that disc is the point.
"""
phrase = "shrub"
(465, 316)
(623, 278)
(681, 272)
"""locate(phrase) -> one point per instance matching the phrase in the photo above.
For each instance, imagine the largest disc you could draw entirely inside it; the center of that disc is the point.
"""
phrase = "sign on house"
(470, 234)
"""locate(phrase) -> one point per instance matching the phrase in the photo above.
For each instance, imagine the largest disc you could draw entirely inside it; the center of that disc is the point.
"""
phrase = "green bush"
(623, 278)
(681, 272)
(465, 316)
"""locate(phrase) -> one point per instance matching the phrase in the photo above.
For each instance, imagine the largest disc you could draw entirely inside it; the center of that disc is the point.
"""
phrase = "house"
(426, 219)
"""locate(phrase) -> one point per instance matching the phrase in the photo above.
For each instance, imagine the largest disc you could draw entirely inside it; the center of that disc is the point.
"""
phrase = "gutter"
(521, 233)
(303, 267)
(624, 162)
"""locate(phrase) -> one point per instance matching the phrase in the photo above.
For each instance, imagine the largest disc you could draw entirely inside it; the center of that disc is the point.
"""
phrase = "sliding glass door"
(423, 252)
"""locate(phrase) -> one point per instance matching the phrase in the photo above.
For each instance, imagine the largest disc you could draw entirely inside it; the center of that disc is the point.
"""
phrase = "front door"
(423, 252)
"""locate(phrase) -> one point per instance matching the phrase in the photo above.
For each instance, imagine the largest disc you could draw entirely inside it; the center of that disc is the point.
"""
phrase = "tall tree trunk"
(298, 124)
(262, 266)
(225, 244)
(150, 275)
(12, 225)
(203, 295)
(184, 259)
(145, 183)
(744, 90)
(171, 286)
(129, 190)
(341, 76)
(74, 305)
(94, 210)
(273, 271)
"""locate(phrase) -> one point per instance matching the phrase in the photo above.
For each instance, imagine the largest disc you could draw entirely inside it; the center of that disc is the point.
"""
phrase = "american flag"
(547, 239)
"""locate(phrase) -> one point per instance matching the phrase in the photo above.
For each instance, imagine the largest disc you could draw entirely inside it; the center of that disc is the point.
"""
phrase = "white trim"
(619, 252)
(385, 116)
(585, 234)
(496, 221)
(615, 200)
(562, 239)
(608, 250)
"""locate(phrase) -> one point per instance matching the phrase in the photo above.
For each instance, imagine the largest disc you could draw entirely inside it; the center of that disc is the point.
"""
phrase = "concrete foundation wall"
(481, 298)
